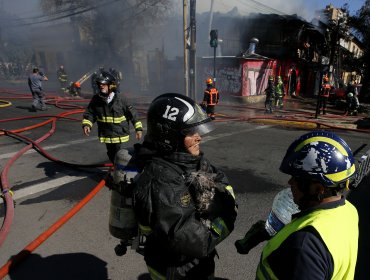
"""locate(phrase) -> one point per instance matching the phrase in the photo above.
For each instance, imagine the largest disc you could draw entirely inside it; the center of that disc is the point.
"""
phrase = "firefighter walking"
(210, 98)
(113, 114)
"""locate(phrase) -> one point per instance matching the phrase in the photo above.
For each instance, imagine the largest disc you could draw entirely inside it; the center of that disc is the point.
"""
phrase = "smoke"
(303, 8)
(21, 8)
(149, 54)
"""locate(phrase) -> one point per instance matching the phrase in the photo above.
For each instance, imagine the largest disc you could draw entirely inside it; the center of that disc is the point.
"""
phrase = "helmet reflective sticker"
(189, 113)
(323, 156)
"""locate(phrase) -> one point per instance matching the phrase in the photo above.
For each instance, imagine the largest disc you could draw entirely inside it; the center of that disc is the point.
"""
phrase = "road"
(83, 248)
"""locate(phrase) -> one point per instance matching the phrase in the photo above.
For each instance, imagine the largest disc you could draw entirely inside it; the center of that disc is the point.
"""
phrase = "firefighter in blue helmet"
(183, 203)
(321, 241)
(113, 114)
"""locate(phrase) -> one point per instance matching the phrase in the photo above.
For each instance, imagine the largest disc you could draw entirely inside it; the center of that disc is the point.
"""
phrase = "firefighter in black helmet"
(182, 231)
(113, 114)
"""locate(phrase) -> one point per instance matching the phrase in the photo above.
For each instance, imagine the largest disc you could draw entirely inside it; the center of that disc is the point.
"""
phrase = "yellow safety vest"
(338, 228)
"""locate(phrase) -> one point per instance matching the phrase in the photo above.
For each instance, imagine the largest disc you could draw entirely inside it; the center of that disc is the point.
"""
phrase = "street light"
(213, 43)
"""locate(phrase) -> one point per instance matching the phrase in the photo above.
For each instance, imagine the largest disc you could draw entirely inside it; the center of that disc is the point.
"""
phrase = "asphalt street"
(247, 148)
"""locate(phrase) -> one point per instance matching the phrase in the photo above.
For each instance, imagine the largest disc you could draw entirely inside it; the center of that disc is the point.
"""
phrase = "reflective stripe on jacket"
(325, 90)
(338, 228)
(112, 119)
(211, 96)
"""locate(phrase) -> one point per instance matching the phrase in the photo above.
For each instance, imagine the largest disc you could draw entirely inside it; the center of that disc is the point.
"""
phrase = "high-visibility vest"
(338, 228)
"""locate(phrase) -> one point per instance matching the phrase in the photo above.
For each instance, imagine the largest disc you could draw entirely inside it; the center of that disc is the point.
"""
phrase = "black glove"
(255, 235)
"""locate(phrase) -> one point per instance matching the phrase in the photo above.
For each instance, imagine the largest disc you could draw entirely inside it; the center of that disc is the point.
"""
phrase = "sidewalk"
(301, 112)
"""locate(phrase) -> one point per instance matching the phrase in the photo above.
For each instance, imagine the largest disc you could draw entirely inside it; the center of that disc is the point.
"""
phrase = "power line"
(253, 7)
(262, 7)
(65, 15)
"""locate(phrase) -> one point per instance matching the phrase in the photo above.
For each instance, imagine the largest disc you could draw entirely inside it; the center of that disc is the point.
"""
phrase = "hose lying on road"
(18, 258)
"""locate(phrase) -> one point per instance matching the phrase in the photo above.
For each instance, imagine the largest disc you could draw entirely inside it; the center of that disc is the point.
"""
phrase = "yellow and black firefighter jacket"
(319, 243)
(113, 118)
(62, 76)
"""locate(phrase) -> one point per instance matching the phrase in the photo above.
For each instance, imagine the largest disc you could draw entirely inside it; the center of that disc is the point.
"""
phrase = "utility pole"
(210, 17)
(192, 58)
(185, 26)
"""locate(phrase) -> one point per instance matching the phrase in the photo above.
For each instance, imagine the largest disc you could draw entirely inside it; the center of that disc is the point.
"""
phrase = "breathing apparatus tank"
(122, 222)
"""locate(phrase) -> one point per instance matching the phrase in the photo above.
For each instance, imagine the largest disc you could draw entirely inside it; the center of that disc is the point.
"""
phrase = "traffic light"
(214, 38)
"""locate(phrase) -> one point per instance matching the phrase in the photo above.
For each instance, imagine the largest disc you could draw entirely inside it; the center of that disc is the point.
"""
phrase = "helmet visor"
(201, 129)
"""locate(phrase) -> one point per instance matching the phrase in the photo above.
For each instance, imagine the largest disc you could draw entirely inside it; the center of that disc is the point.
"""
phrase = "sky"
(303, 8)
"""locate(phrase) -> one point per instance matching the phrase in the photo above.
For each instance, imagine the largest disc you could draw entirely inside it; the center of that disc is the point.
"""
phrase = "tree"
(360, 23)
(112, 28)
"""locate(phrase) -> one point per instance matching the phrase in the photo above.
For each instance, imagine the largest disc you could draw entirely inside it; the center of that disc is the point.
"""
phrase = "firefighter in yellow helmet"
(321, 241)
(210, 98)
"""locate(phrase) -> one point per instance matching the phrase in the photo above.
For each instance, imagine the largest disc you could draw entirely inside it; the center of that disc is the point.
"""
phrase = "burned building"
(288, 46)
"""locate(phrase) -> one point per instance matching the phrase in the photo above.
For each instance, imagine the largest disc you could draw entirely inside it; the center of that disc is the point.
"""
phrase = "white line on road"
(45, 186)
(69, 179)
(221, 135)
(53, 147)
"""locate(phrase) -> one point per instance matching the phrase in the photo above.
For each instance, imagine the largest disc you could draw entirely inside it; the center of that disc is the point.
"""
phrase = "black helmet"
(106, 78)
(172, 116)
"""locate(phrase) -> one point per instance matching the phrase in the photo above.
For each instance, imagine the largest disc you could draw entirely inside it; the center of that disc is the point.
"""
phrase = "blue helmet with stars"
(321, 156)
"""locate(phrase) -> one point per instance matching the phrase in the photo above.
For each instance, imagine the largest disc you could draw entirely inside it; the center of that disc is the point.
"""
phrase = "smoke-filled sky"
(303, 8)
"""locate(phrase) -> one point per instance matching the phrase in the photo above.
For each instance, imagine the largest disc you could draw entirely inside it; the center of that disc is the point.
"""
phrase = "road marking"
(69, 179)
(45, 186)
(221, 135)
(52, 147)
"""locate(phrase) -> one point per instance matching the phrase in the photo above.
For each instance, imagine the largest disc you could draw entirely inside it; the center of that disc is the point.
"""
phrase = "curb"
(304, 124)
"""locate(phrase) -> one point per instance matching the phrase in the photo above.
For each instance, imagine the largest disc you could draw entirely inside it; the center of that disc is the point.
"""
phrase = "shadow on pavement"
(60, 267)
